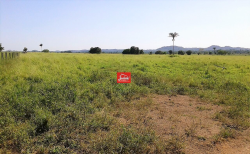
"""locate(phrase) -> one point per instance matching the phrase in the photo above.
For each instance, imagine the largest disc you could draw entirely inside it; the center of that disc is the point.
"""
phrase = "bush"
(95, 50)
(45, 50)
(210, 52)
(151, 53)
(170, 52)
(189, 52)
(181, 52)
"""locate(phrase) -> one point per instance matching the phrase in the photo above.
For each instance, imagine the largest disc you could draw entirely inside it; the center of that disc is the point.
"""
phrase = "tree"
(141, 51)
(95, 50)
(158, 52)
(126, 51)
(170, 52)
(46, 51)
(134, 50)
(189, 52)
(41, 45)
(173, 35)
(214, 50)
(181, 52)
(25, 50)
(150, 52)
(1, 48)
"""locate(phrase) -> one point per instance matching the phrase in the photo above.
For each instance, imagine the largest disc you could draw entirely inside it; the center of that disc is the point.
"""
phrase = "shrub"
(189, 52)
(210, 52)
(95, 50)
(170, 52)
(181, 52)
(151, 53)
(45, 50)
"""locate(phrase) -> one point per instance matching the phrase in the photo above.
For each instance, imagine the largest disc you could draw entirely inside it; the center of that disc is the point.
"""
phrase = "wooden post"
(5, 55)
(1, 55)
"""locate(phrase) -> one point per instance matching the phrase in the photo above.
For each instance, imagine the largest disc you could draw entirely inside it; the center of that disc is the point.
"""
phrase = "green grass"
(54, 103)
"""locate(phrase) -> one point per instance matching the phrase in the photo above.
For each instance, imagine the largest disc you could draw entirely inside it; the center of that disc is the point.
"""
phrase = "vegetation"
(95, 50)
(41, 45)
(170, 52)
(173, 35)
(160, 52)
(133, 50)
(25, 50)
(1, 48)
(46, 51)
(189, 52)
(181, 52)
(71, 103)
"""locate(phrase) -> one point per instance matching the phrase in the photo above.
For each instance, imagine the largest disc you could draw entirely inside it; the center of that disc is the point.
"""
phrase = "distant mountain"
(210, 48)
(167, 48)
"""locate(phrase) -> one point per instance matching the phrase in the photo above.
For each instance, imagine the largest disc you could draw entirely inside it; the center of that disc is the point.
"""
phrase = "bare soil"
(190, 120)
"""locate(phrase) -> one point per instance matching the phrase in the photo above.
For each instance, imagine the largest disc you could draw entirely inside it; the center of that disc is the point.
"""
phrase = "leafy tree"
(95, 50)
(158, 52)
(181, 52)
(189, 52)
(134, 50)
(46, 51)
(221, 52)
(173, 35)
(126, 51)
(41, 45)
(214, 50)
(1, 48)
(141, 51)
(210, 52)
(170, 52)
(25, 50)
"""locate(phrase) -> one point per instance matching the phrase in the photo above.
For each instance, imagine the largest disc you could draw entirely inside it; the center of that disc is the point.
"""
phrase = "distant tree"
(170, 52)
(221, 52)
(46, 51)
(141, 51)
(189, 52)
(173, 35)
(95, 50)
(214, 50)
(126, 51)
(1, 48)
(210, 52)
(25, 50)
(134, 50)
(164, 52)
(158, 52)
(180, 52)
(41, 45)
(150, 52)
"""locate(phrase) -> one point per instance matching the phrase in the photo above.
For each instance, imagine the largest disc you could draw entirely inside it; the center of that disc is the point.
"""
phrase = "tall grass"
(54, 103)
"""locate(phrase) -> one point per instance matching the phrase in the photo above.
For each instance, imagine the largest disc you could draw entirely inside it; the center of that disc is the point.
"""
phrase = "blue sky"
(120, 24)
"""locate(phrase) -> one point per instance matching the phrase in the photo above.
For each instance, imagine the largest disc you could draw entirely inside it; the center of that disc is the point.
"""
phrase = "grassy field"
(68, 103)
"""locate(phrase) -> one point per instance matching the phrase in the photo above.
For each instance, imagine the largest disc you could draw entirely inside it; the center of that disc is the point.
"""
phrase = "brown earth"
(188, 120)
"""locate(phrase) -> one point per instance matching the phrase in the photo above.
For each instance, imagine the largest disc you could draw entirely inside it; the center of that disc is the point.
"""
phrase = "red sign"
(123, 77)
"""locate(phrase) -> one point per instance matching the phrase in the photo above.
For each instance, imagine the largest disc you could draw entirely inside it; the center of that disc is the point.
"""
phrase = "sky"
(120, 24)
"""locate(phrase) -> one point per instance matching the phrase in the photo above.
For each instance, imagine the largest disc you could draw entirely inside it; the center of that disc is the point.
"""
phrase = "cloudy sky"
(120, 24)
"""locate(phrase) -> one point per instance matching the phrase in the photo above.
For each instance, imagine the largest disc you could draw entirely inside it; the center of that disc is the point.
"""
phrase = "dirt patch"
(186, 119)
